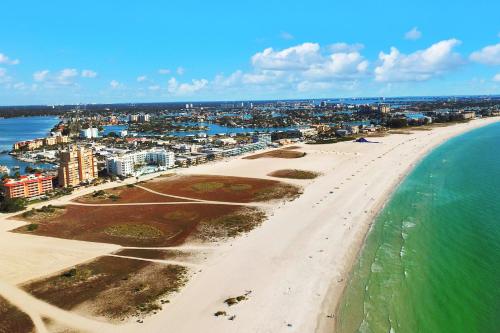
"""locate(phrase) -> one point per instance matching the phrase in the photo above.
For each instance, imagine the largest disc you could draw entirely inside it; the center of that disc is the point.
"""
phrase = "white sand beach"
(296, 264)
(293, 268)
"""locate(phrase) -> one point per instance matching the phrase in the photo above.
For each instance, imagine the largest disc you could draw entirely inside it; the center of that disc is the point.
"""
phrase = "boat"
(4, 170)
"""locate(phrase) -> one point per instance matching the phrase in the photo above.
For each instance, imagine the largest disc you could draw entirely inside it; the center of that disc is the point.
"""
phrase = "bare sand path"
(204, 202)
(159, 261)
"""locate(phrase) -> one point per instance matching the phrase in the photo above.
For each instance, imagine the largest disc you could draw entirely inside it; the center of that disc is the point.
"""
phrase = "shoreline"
(331, 303)
(290, 262)
(295, 265)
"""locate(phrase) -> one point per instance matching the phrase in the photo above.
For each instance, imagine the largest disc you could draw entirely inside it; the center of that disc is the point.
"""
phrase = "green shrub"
(13, 205)
(32, 227)
(69, 274)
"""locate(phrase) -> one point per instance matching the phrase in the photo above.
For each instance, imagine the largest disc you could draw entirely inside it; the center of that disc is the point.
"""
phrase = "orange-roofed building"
(30, 186)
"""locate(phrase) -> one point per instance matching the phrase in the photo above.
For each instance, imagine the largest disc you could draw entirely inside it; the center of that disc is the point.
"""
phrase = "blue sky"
(89, 51)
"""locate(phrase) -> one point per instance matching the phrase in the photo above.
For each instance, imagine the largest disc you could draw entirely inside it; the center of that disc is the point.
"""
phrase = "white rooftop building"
(130, 164)
(89, 133)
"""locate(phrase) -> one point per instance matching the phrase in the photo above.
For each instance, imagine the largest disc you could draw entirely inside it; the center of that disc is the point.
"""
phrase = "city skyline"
(189, 51)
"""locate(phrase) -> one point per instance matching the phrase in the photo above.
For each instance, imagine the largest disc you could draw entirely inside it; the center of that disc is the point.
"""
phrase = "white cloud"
(164, 71)
(418, 66)
(286, 35)
(496, 78)
(19, 86)
(300, 68)
(66, 76)
(41, 76)
(90, 74)
(6, 60)
(176, 88)
(488, 55)
(293, 58)
(115, 84)
(307, 60)
(308, 86)
(413, 34)
(180, 70)
(142, 78)
(345, 47)
(4, 78)
(154, 88)
(340, 66)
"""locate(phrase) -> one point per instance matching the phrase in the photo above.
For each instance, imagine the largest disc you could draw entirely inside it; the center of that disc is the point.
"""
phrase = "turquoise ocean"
(431, 262)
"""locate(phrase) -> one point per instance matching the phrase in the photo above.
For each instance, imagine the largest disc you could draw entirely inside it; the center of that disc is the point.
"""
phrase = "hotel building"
(77, 165)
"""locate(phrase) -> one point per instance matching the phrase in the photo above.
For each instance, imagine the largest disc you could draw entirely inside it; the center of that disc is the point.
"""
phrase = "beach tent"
(363, 140)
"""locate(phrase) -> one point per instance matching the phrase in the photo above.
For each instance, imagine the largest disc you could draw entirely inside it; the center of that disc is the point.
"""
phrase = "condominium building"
(143, 118)
(27, 186)
(384, 108)
(37, 143)
(28, 145)
(77, 165)
(89, 133)
(49, 141)
(138, 118)
(264, 138)
(127, 164)
(124, 165)
(62, 139)
(133, 118)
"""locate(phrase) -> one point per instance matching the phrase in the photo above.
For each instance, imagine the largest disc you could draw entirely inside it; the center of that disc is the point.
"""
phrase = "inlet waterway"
(20, 129)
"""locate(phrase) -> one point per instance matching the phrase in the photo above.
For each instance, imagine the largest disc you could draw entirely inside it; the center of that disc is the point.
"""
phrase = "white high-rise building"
(144, 118)
(133, 118)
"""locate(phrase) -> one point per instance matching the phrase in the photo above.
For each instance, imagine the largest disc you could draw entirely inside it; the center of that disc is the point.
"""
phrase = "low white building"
(264, 138)
(308, 132)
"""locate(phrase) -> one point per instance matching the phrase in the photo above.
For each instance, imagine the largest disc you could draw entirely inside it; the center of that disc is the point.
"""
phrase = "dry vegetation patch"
(291, 148)
(12, 320)
(113, 287)
(224, 188)
(294, 174)
(230, 225)
(279, 153)
(400, 132)
(41, 214)
(142, 226)
(137, 231)
(156, 254)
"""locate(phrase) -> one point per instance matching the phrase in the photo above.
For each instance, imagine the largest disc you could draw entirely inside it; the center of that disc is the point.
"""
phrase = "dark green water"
(431, 263)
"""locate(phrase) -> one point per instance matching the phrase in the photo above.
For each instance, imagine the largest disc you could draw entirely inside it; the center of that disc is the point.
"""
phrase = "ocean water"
(431, 262)
(19, 129)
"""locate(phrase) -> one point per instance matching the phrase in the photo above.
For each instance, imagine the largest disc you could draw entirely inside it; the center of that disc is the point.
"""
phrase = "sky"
(68, 52)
